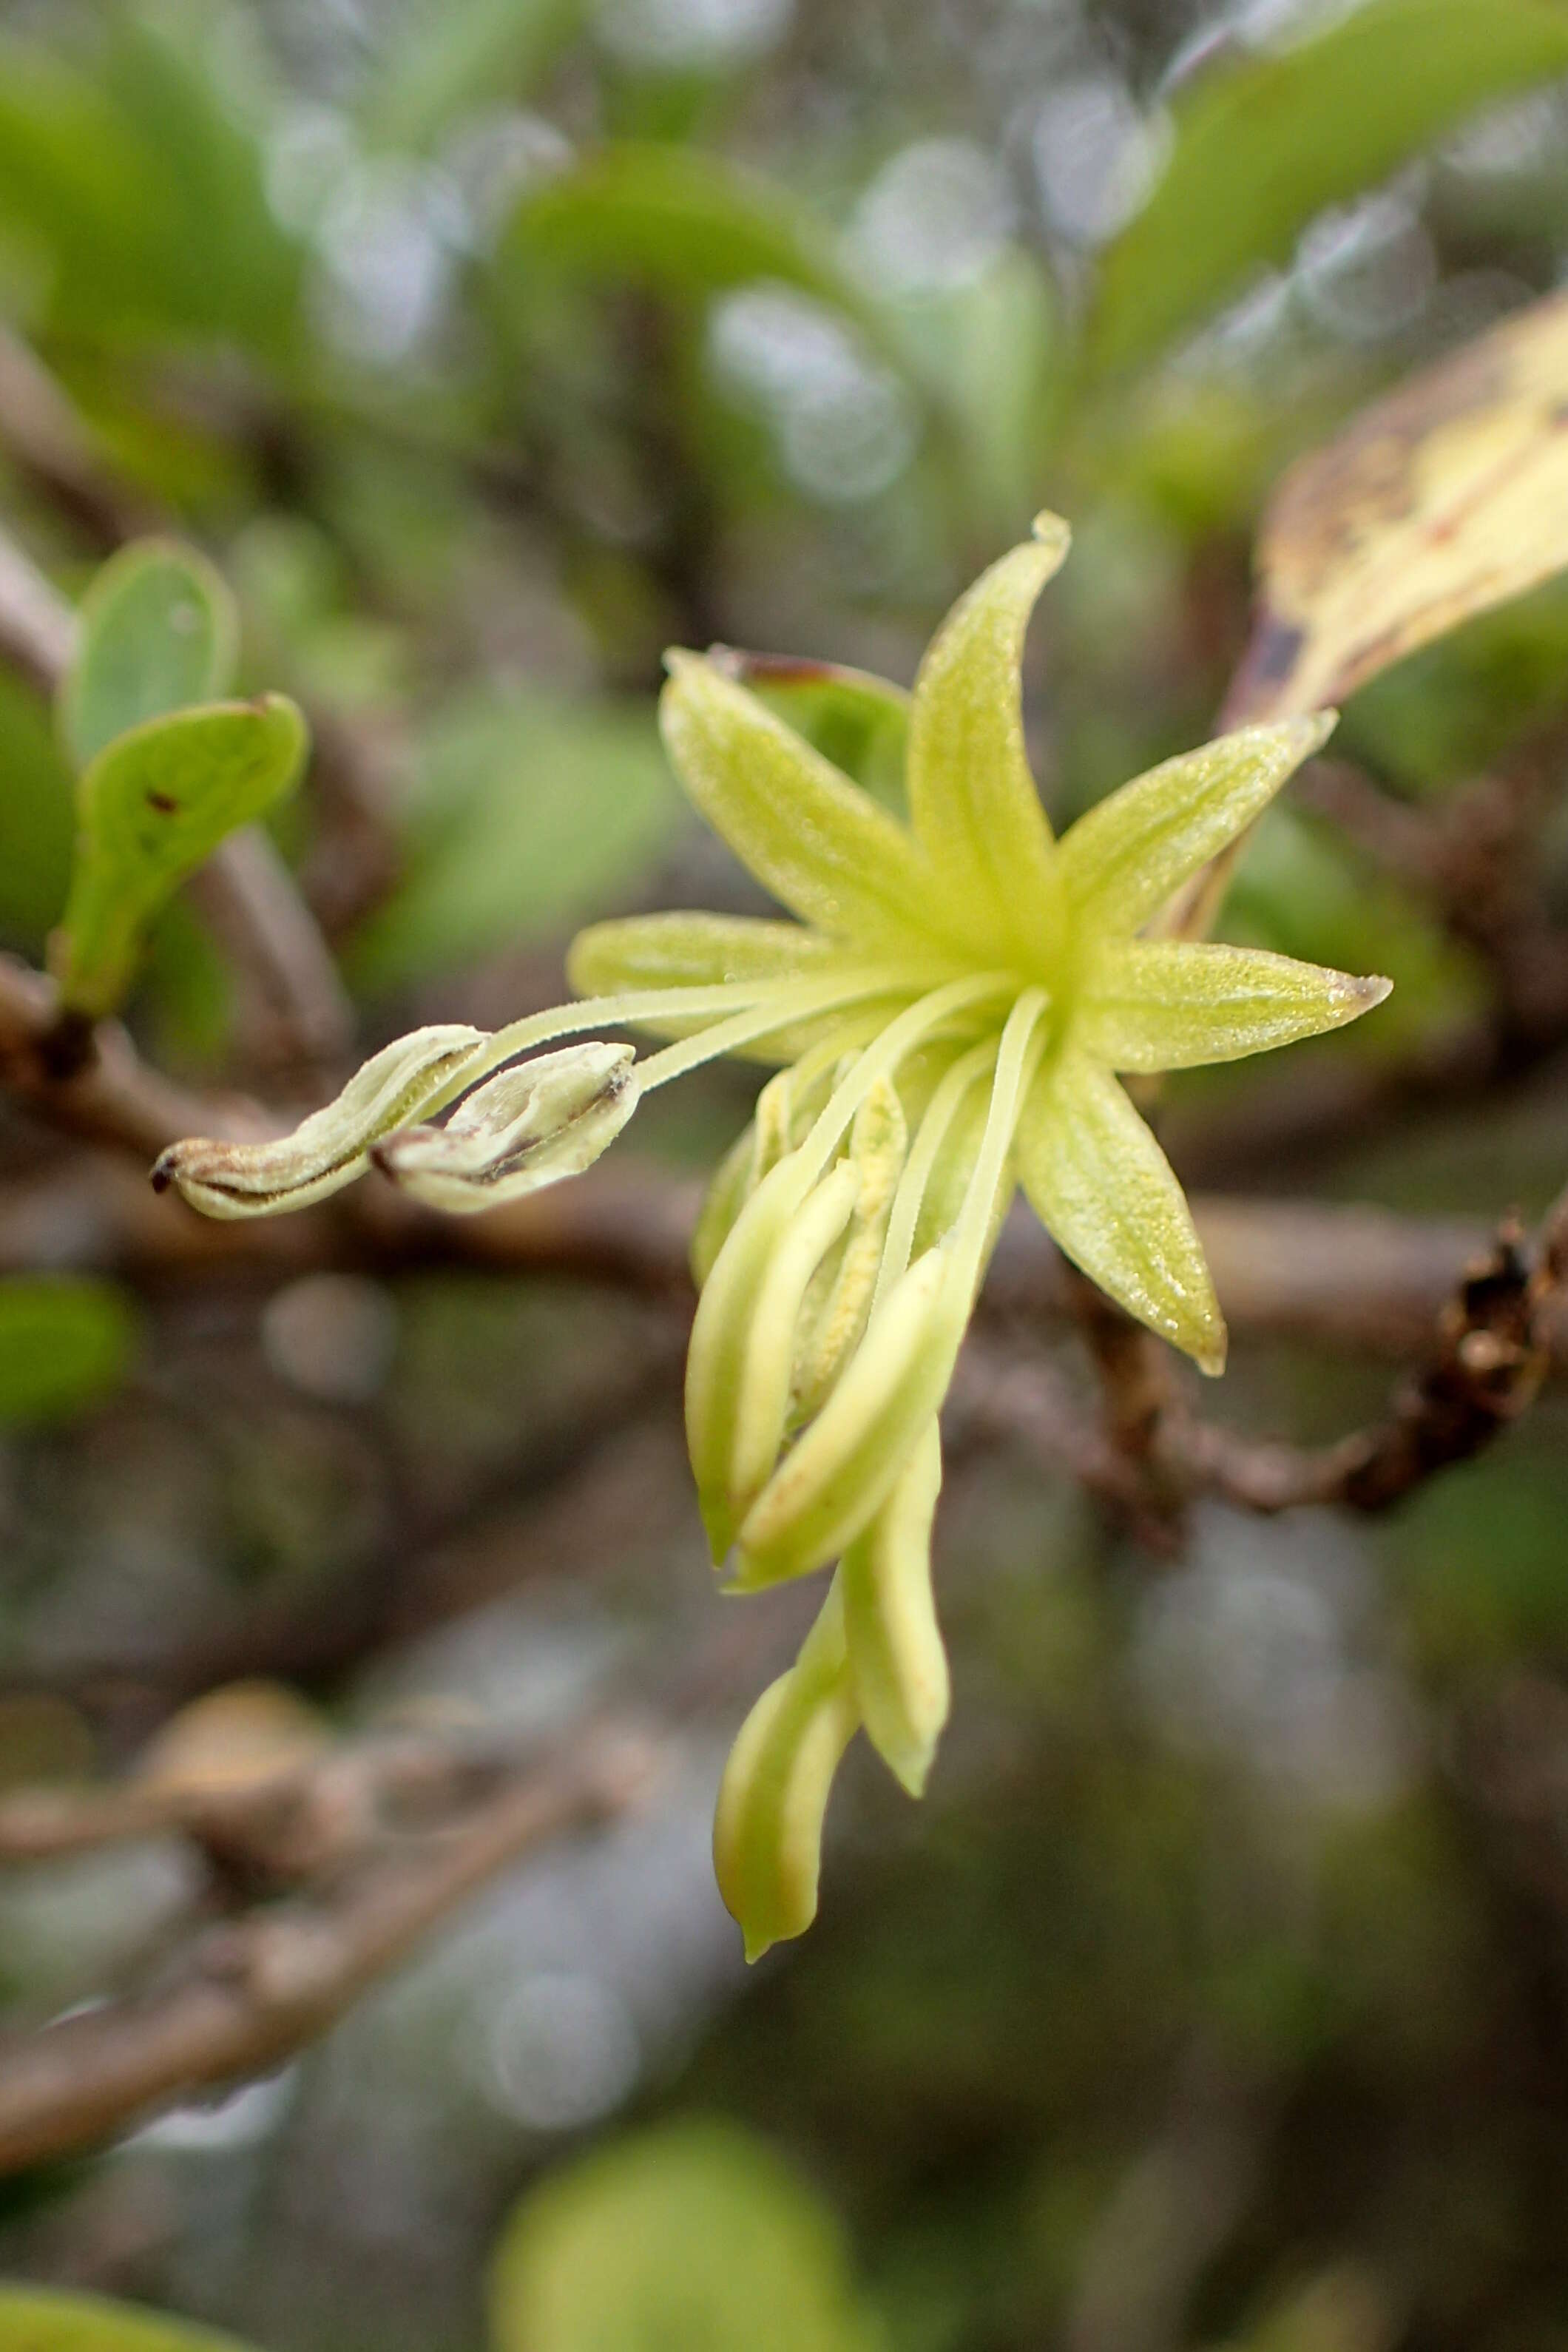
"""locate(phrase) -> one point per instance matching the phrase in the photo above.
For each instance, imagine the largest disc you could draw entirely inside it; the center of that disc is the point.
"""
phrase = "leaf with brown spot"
(152, 806)
(1446, 499)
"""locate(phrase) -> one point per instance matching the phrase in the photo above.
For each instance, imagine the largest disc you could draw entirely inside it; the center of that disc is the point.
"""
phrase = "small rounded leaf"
(152, 806)
(156, 631)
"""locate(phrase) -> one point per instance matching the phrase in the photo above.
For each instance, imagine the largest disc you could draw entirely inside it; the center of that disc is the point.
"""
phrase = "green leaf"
(1260, 146)
(528, 814)
(1166, 1005)
(152, 806)
(36, 819)
(972, 801)
(157, 630)
(65, 1344)
(694, 2235)
(446, 56)
(689, 225)
(35, 2319)
(859, 722)
(72, 185)
(133, 191)
(996, 358)
(192, 79)
(1108, 1196)
(1125, 856)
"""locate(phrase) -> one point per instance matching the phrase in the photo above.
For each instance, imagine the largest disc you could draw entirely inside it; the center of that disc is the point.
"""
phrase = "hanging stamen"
(828, 1487)
(760, 1409)
(720, 1331)
(839, 1300)
(1017, 1058)
(914, 1027)
(768, 1827)
(896, 1655)
(930, 1136)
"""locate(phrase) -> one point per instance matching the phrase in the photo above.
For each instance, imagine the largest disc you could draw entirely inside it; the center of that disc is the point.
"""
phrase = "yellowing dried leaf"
(1447, 498)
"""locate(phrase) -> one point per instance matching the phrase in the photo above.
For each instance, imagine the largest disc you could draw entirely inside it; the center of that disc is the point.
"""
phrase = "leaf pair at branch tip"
(168, 768)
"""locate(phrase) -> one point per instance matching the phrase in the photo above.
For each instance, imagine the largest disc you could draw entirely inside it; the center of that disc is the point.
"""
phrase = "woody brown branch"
(251, 1992)
(1491, 1349)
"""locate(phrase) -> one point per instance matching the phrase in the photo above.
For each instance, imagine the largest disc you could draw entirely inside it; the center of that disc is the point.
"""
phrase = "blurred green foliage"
(1258, 147)
(62, 2323)
(65, 1342)
(696, 2235)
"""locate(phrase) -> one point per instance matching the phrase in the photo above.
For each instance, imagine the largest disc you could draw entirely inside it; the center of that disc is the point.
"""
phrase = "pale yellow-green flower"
(950, 1011)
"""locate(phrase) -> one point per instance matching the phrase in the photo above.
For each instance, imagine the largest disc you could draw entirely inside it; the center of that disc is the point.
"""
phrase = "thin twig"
(51, 443)
(112, 1095)
(1493, 1346)
(250, 1993)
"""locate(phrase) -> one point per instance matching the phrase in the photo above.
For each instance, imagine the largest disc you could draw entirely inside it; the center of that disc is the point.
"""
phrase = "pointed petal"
(1160, 1005)
(838, 1303)
(896, 1652)
(809, 835)
(1124, 859)
(1108, 1198)
(972, 801)
(691, 950)
(768, 1827)
(702, 951)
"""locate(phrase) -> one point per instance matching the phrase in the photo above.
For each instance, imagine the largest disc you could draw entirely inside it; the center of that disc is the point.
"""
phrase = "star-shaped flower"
(950, 1010)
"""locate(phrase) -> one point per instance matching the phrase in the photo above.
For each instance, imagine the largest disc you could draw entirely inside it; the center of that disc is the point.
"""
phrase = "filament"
(885, 1051)
(781, 1007)
(915, 1177)
(1017, 1058)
